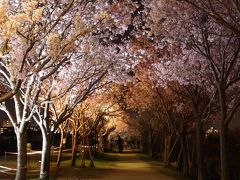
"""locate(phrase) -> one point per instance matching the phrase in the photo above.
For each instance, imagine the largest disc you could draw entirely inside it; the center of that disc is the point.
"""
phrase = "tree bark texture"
(224, 153)
(46, 156)
(74, 149)
(22, 155)
(60, 148)
(199, 148)
(225, 175)
(83, 152)
(184, 153)
(167, 144)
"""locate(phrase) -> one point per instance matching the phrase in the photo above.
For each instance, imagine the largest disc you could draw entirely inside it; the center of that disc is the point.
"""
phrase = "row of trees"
(195, 56)
(165, 121)
(55, 55)
(208, 64)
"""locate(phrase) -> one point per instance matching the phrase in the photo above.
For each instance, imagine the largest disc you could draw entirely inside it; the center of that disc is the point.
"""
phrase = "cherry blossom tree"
(53, 111)
(40, 40)
(225, 13)
(91, 117)
(25, 32)
(225, 71)
(41, 37)
(204, 54)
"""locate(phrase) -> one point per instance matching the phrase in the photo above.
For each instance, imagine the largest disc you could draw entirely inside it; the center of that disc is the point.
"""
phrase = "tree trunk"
(179, 162)
(100, 144)
(91, 164)
(200, 156)
(223, 135)
(74, 149)
(59, 155)
(60, 148)
(109, 143)
(22, 155)
(46, 154)
(224, 153)
(150, 142)
(167, 144)
(171, 151)
(83, 152)
(184, 153)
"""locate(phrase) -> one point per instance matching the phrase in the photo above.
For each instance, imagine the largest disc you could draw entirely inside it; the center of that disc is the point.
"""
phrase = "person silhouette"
(120, 144)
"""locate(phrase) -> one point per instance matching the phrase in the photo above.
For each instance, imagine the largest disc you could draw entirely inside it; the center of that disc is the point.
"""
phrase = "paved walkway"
(126, 166)
(110, 166)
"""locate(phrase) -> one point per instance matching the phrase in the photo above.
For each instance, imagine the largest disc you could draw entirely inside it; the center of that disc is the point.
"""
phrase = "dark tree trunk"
(223, 135)
(167, 144)
(224, 153)
(199, 148)
(179, 159)
(60, 149)
(22, 154)
(150, 142)
(184, 153)
(172, 148)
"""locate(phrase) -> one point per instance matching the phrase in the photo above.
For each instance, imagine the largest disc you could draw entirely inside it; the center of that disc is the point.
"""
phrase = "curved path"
(126, 166)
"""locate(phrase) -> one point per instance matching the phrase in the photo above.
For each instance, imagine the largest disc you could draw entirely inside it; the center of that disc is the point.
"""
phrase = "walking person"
(120, 144)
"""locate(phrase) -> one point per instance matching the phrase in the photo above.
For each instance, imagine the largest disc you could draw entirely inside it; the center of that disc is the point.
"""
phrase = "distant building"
(6, 125)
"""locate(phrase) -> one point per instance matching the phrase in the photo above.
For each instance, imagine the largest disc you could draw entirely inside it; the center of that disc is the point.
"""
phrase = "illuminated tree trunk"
(22, 154)
(100, 144)
(83, 152)
(74, 148)
(46, 155)
(91, 164)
